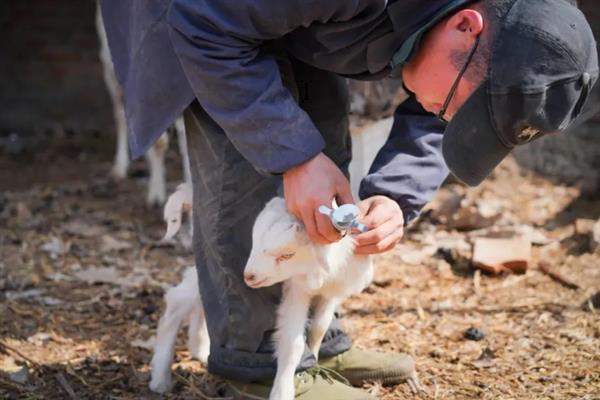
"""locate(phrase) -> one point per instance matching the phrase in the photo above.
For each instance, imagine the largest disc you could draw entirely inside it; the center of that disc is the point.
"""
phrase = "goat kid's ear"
(300, 234)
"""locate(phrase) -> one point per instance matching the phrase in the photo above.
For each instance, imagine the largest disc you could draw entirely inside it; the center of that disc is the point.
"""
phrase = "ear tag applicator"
(344, 218)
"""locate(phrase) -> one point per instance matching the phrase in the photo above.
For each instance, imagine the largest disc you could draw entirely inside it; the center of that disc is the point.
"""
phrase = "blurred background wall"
(52, 80)
(49, 68)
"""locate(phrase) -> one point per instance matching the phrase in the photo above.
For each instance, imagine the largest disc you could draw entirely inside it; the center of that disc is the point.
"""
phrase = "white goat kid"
(183, 303)
(322, 274)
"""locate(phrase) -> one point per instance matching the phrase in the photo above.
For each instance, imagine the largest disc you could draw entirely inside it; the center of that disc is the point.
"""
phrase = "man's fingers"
(308, 218)
(385, 245)
(378, 234)
(370, 250)
(377, 216)
(326, 228)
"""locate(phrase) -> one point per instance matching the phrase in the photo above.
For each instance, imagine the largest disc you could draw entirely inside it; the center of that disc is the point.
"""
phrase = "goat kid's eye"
(284, 257)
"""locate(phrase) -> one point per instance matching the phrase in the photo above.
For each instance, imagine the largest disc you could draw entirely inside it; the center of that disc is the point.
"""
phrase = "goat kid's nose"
(249, 277)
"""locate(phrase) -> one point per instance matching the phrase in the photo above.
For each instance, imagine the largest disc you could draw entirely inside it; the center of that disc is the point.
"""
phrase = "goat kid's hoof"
(154, 201)
(119, 172)
(161, 385)
(199, 355)
(282, 394)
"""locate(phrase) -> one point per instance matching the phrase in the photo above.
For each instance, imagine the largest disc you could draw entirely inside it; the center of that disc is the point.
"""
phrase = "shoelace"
(328, 374)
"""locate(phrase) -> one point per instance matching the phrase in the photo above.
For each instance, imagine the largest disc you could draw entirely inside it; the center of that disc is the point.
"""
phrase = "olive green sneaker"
(313, 384)
(358, 366)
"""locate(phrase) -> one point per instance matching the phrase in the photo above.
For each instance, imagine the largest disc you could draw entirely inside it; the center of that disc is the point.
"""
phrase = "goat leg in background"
(183, 150)
(292, 315)
(121, 162)
(157, 190)
(320, 321)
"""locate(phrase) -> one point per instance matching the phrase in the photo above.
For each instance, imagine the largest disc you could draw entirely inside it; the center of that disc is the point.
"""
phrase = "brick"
(502, 255)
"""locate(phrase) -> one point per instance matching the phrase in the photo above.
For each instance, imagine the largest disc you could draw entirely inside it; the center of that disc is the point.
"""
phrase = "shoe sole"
(387, 378)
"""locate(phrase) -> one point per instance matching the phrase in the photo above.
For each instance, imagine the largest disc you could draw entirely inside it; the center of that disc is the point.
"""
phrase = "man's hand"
(385, 221)
(310, 185)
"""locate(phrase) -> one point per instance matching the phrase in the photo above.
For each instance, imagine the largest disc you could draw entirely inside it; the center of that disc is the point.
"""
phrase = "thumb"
(344, 195)
(364, 206)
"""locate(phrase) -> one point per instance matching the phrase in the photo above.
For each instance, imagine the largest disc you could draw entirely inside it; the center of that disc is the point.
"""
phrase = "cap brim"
(471, 147)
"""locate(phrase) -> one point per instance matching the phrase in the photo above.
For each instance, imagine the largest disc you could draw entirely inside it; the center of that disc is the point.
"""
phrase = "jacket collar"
(410, 20)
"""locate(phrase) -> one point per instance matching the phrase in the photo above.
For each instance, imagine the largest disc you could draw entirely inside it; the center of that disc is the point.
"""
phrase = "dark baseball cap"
(543, 64)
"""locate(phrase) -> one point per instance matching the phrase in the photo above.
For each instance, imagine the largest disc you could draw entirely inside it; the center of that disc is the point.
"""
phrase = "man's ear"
(469, 21)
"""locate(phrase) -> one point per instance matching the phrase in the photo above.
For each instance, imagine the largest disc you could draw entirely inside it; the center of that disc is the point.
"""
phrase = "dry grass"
(75, 337)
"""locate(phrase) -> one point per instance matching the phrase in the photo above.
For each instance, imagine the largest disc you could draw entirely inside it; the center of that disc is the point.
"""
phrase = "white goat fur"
(155, 156)
(323, 275)
(183, 303)
(311, 273)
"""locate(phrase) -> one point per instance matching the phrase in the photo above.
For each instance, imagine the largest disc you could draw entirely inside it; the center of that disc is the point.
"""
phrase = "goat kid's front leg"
(182, 300)
(321, 319)
(198, 339)
(289, 346)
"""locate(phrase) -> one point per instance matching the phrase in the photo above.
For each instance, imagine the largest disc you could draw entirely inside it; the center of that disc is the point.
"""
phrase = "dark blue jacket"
(169, 52)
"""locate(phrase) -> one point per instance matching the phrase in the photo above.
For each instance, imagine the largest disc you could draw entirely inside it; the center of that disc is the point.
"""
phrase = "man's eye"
(284, 257)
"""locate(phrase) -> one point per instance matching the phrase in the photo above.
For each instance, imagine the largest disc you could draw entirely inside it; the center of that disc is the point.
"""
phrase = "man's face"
(431, 73)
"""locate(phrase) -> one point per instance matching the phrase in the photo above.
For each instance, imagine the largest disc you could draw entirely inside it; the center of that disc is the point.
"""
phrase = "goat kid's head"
(280, 248)
(177, 203)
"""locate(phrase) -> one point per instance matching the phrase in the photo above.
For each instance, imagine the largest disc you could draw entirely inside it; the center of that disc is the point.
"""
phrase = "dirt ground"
(82, 279)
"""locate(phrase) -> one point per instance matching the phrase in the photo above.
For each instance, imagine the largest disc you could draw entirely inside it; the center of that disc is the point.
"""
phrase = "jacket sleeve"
(219, 44)
(410, 167)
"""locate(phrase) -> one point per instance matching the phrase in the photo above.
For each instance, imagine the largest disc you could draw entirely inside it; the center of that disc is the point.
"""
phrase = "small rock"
(475, 334)
(550, 251)
(442, 305)
(39, 338)
(446, 204)
(435, 353)
(593, 303)
(16, 373)
(24, 294)
(19, 376)
(83, 229)
(109, 244)
(144, 344)
(413, 255)
(23, 213)
(584, 226)
(536, 236)
(51, 301)
(55, 247)
(502, 255)
(99, 275)
(490, 208)
(448, 255)
(485, 358)
(471, 218)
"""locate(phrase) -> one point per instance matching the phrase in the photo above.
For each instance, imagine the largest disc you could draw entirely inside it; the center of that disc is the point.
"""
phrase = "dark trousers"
(228, 195)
